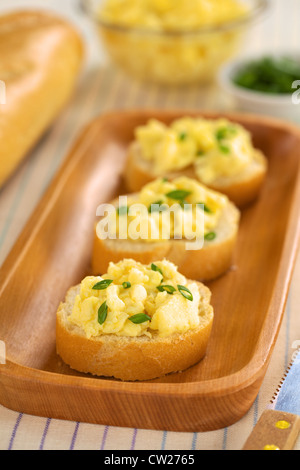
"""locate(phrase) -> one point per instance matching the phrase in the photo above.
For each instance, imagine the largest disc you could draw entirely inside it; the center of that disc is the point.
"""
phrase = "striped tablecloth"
(103, 89)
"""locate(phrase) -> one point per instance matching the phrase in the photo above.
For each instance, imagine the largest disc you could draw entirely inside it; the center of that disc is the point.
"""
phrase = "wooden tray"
(54, 252)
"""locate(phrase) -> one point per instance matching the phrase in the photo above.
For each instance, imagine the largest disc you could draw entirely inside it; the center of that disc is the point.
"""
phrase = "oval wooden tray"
(54, 252)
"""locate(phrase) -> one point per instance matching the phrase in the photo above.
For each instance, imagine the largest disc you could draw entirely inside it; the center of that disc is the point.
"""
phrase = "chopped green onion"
(102, 284)
(178, 195)
(272, 75)
(185, 292)
(203, 206)
(224, 148)
(123, 210)
(225, 132)
(102, 313)
(182, 136)
(156, 268)
(126, 285)
(157, 207)
(221, 133)
(200, 153)
(139, 318)
(210, 236)
(169, 289)
(182, 203)
(157, 203)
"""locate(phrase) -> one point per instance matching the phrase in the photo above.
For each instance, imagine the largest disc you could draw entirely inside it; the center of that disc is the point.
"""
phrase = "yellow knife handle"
(275, 430)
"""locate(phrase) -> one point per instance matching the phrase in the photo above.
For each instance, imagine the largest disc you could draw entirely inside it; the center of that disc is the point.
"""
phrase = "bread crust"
(127, 358)
(205, 264)
(41, 56)
(242, 190)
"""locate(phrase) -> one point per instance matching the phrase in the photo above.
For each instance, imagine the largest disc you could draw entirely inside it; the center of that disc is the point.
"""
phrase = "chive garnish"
(169, 289)
(123, 210)
(210, 236)
(185, 292)
(203, 206)
(225, 132)
(156, 268)
(272, 75)
(156, 203)
(178, 195)
(126, 285)
(183, 203)
(221, 133)
(157, 206)
(102, 313)
(182, 136)
(139, 318)
(102, 284)
(224, 148)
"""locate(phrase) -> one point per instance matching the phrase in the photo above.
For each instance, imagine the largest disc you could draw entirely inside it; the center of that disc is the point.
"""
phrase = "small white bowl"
(279, 106)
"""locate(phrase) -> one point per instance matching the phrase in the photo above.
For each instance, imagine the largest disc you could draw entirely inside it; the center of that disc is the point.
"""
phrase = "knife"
(279, 425)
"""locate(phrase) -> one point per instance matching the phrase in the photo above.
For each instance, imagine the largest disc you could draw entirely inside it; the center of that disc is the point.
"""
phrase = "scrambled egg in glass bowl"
(172, 41)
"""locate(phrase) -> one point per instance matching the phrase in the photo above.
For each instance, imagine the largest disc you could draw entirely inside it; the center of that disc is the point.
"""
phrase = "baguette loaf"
(41, 57)
(132, 358)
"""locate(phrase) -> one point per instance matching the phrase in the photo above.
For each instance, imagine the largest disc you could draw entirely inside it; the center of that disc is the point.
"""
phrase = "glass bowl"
(173, 57)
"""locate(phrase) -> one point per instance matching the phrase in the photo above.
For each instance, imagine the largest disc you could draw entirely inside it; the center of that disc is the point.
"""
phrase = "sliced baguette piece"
(242, 189)
(205, 264)
(132, 358)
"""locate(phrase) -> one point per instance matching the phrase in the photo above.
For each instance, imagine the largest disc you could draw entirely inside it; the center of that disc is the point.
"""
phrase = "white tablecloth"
(102, 89)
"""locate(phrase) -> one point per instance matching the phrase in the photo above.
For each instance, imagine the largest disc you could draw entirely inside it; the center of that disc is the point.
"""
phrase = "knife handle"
(275, 430)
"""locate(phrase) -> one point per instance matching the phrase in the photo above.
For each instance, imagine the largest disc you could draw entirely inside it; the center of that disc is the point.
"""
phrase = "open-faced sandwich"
(180, 220)
(218, 153)
(136, 322)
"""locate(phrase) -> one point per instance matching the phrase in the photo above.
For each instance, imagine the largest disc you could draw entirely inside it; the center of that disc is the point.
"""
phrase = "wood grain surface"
(275, 430)
(54, 253)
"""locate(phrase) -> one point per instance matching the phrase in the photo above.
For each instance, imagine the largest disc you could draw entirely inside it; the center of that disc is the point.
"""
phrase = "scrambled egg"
(163, 57)
(216, 148)
(164, 210)
(171, 14)
(137, 300)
